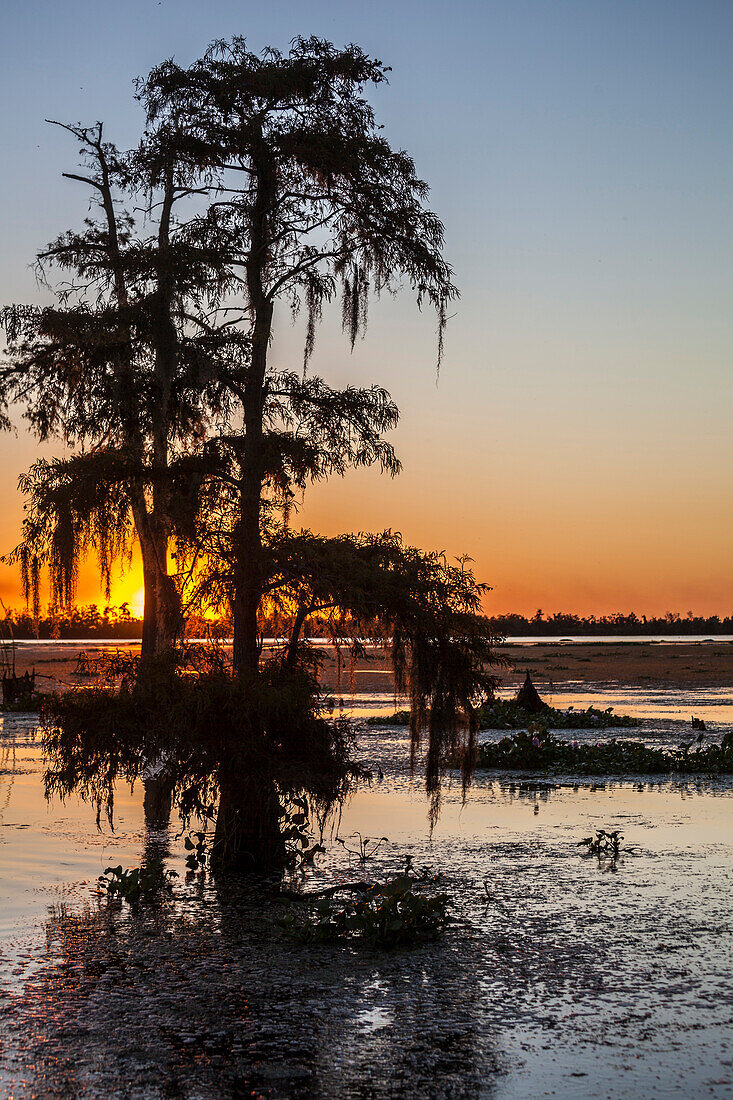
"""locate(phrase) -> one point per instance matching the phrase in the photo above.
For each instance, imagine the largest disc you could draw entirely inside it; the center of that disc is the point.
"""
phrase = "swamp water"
(557, 979)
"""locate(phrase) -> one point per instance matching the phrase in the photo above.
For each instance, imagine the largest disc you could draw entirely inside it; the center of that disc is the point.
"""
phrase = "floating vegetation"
(399, 718)
(605, 846)
(297, 833)
(197, 848)
(539, 750)
(136, 885)
(501, 714)
(507, 714)
(402, 911)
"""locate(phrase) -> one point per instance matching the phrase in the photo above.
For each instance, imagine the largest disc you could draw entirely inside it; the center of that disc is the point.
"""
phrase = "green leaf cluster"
(539, 750)
(136, 885)
(395, 913)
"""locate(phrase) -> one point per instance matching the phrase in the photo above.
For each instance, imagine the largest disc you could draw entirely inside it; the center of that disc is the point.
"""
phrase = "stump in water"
(18, 687)
(158, 801)
(529, 698)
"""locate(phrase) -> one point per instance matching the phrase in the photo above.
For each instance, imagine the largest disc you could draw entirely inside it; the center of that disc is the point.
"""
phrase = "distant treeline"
(77, 622)
(91, 622)
(119, 622)
(562, 624)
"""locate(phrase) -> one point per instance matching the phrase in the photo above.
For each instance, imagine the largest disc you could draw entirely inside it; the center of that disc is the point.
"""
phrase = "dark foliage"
(563, 623)
(193, 718)
(507, 714)
(501, 714)
(404, 910)
(542, 752)
(606, 847)
(422, 609)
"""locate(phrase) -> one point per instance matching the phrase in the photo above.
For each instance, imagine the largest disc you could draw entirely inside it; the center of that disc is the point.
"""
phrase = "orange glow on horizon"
(613, 545)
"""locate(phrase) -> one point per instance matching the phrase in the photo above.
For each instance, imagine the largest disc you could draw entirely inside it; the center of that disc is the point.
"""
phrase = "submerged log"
(529, 698)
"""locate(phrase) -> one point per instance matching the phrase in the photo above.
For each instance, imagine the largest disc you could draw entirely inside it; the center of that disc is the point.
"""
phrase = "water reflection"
(213, 1007)
(546, 974)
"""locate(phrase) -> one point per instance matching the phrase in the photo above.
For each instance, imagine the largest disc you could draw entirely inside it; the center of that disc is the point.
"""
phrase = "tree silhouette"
(260, 180)
(311, 199)
(114, 370)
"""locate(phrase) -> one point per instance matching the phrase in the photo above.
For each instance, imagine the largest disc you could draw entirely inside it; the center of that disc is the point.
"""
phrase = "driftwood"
(529, 698)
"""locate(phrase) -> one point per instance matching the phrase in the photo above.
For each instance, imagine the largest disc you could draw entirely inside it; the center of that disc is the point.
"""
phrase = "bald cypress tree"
(115, 371)
(314, 202)
(268, 183)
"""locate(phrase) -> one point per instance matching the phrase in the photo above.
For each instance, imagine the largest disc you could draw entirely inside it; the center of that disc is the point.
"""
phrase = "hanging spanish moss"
(421, 609)
(74, 505)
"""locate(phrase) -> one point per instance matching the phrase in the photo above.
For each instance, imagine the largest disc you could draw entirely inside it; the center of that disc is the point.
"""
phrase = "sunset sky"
(578, 441)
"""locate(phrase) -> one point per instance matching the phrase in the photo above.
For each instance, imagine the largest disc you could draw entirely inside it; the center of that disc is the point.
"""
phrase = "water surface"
(559, 977)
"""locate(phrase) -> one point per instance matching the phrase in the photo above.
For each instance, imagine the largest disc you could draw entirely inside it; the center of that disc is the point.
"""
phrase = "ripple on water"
(558, 977)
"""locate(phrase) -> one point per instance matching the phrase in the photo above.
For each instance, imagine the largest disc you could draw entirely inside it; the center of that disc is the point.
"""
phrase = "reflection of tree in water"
(12, 731)
(415, 1026)
(531, 790)
(7, 773)
(157, 801)
(160, 1005)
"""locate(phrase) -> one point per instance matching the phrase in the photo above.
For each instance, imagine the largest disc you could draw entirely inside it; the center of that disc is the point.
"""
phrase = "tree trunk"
(292, 651)
(162, 613)
(161, 627)
(248, 579)
(248, 537)
(247, 837)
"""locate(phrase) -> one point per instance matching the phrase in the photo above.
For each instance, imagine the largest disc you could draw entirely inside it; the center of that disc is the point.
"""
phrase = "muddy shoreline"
(552, 664)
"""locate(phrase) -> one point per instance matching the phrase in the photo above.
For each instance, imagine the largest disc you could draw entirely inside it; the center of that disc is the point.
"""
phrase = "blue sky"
(579, 153)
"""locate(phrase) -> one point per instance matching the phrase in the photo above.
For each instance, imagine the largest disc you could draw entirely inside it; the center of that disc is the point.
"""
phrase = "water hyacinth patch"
(500, 714)
(402, 911)
(539, 750)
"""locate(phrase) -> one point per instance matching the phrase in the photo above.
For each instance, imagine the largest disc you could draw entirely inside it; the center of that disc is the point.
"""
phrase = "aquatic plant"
(539, 750)
(367, 846)
(296, 831)
(395, 913)
(507, 714)
(499, 714)
(136, 885)
(605, 846)
(399, 718)
(197, 848)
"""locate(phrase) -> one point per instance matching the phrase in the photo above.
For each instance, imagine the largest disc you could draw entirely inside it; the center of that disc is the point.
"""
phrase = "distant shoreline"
(516, 640)
(553, 664)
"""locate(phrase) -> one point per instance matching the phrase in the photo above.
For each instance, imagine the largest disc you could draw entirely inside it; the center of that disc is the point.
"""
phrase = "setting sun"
(136, 603)
(315, 780)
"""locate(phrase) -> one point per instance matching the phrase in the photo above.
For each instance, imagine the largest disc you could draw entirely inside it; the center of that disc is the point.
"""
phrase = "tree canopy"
(260, 181)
